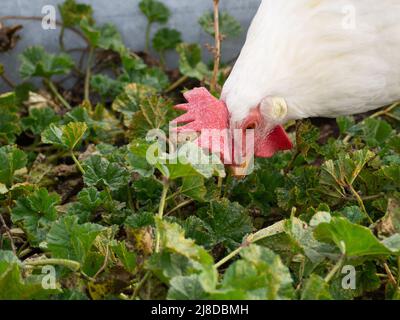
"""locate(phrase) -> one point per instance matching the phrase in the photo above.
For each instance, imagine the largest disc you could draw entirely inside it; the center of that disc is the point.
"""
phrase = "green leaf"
(39, 119)
(105, 37)
(130, 100)
(72, 13)
(67, 239)
(11, 160)
(194, 188)
(315, 288)
(16, 287)
(189, 160)
(259, 275)
(67, 136)
(140, 220)
(101, 173)
(202, 264)
(127, 258)
(345, 123)
(173, 239)
(155, 11)
(354, 240)
(36, 62)
(36, 214)
(166, 39)
(9, 119)
(226, 222)
(190, 61)
(228, 25)
(187, 288)
(105, 86)
(137, 158)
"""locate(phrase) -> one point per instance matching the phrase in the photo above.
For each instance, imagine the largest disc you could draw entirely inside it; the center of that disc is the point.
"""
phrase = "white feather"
(307, 52)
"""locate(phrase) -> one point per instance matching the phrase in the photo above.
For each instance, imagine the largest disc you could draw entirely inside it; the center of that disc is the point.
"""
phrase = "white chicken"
(312, 58)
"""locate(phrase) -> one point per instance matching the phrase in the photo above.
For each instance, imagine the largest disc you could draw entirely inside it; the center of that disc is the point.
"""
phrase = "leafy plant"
(143, 217)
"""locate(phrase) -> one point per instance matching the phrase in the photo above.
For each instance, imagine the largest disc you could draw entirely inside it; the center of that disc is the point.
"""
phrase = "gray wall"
(126, 15)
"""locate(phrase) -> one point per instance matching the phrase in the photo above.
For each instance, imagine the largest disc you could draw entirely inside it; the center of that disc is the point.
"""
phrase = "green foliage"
(166, 39)
(72, 12)
(9, 119)
(144, 217)
(155, 11)
(190, 61)
(11, 160)
(228, 25)
(36, 213)
(36, 62)
(67, 136)
(39, 119)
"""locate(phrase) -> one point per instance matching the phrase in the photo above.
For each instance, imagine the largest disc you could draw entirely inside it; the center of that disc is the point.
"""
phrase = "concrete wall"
(131, 23)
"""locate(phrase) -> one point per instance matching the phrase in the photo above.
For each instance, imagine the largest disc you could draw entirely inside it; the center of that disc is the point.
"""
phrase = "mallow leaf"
(9, 119)
(166, 39)
(258, 275)
(36, 214)
(67, 239)
(101, 173)
(11, 160)
(155, 11)
(67, 136)
(39, 119)
(36, 62)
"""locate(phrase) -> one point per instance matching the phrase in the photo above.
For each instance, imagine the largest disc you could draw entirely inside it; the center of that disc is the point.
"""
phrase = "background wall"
(130, 22)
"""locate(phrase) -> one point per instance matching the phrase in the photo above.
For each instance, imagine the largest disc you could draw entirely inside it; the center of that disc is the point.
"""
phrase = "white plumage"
(324, 57)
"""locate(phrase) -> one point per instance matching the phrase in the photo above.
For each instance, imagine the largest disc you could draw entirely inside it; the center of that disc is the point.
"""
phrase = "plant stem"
(70, 264)
(54, 90)
(228, 257)
(78, 164)
(140, 285)
(8, 232)
(8, 81)
(389, 274)
(148, 30)
(161, 211)
(335, 269)
(176, 84)
(88, 75)
(360, 203)
(181, 205)
(217, 53)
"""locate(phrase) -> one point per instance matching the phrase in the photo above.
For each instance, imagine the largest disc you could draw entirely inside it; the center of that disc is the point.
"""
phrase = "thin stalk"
(70, 264)
(335, 269)
(88, 74)
(181, 205)
(8, 81)
(54, 90)
(78, 164)
(8, 232)
(140, 285)
(361, 203)
(176, 84)
(228, 257)
(161, 212)
(217, 53)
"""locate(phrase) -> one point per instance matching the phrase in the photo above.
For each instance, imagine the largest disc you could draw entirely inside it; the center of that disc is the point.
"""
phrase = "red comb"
(205, 113)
